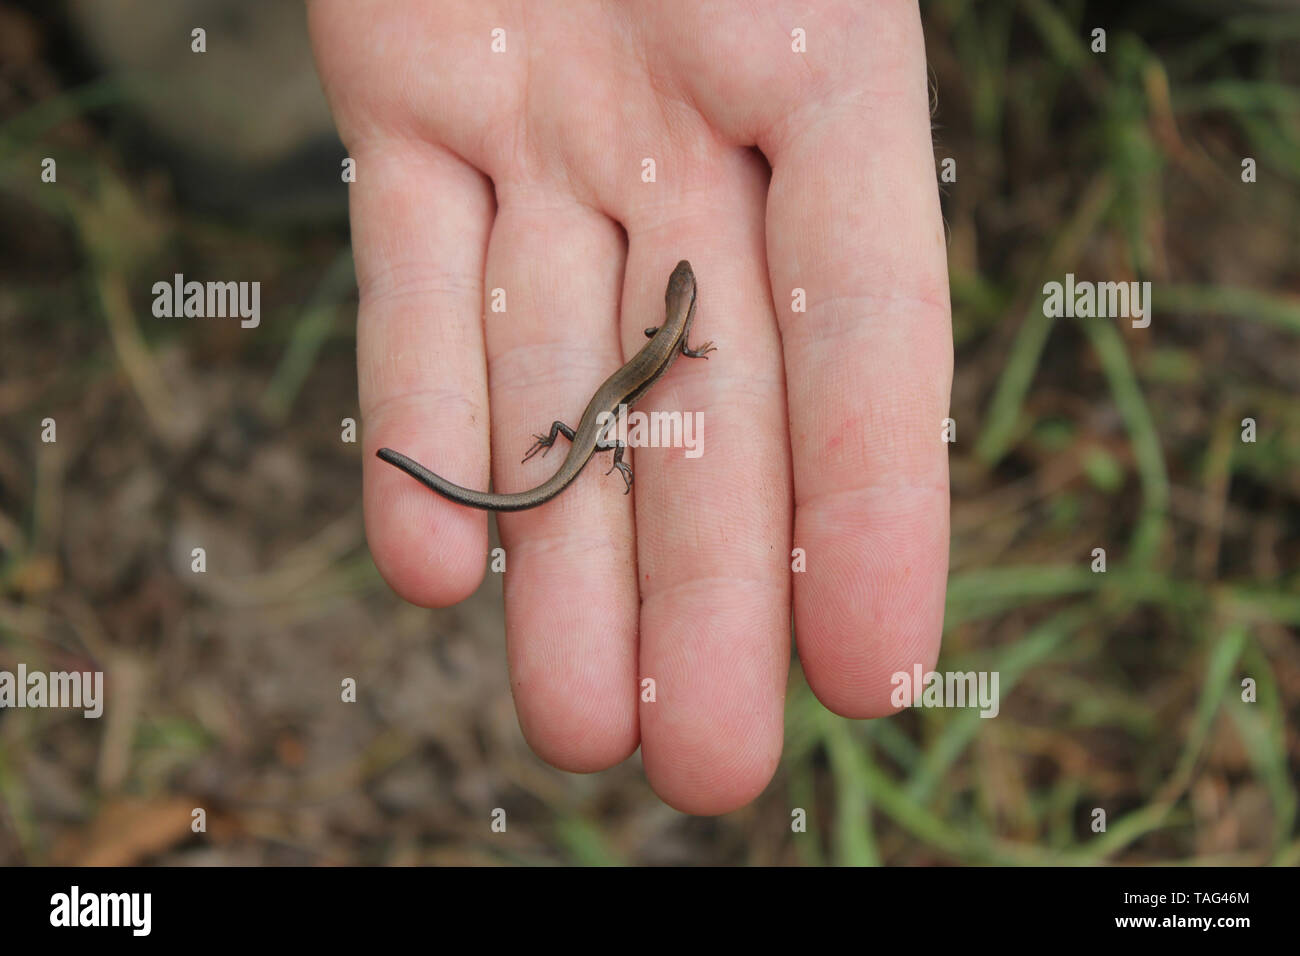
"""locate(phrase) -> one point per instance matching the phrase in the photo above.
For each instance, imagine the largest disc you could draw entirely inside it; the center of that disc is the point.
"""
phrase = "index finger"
(854, 221)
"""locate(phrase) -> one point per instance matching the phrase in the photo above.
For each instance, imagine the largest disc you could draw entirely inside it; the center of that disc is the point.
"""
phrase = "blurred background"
(1119, 690)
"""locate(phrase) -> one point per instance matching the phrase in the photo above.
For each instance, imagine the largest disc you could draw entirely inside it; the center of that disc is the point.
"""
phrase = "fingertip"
(432, 553)
(872, 603)
(708, 777)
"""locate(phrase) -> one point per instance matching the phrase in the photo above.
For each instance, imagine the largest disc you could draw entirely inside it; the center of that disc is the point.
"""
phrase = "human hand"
(523, 170)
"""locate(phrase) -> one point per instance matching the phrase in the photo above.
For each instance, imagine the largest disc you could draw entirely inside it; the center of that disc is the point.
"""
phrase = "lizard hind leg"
(544, 442)
(702, 352)
(624, 469)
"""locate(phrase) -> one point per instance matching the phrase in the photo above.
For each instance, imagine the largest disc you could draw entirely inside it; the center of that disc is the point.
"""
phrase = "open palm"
(572, 169)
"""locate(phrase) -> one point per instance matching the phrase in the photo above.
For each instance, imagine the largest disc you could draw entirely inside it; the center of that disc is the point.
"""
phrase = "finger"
(713, 531)
(854, 221)
(570, 588)
(420, 220)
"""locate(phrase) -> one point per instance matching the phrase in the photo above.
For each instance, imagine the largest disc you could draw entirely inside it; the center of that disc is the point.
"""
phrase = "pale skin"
(524, 171)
